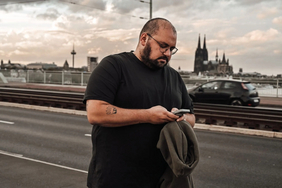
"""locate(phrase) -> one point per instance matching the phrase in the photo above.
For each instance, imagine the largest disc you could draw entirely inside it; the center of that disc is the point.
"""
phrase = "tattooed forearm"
(111, 110)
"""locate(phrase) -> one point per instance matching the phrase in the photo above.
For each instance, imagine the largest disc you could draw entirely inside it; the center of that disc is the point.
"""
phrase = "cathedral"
(216, 67)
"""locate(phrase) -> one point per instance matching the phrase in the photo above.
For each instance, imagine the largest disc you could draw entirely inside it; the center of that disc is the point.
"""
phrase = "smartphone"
(181, 112)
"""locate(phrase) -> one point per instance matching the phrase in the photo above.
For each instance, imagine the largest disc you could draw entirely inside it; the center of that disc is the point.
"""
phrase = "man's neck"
(137, 54)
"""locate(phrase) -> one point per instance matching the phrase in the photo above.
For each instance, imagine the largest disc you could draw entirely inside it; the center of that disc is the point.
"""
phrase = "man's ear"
(143, 39)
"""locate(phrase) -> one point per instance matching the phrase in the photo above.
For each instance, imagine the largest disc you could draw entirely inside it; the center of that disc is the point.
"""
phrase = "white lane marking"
(87, 135)
(7, 122)
(42, 162)
(10, 154)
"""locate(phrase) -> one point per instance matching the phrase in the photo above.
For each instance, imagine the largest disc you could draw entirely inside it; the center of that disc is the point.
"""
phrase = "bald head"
(154, 25)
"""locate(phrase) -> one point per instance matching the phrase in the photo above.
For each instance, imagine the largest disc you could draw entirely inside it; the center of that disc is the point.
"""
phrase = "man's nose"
(168, 52)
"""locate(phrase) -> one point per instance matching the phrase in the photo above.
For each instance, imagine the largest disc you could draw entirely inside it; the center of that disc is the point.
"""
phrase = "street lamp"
(150, 6)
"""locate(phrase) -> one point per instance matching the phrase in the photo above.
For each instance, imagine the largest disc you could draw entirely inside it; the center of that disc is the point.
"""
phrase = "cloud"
(50, 14)
(255, 42)
(267, 12)
(261, 36)
(277, 20)
(254, 2)
(277, 52)
(86, 6)
(17, 5)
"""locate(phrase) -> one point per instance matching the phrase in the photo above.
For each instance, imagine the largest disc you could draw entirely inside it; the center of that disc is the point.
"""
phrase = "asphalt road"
(52, 137)
(47, 149)
(233, 161)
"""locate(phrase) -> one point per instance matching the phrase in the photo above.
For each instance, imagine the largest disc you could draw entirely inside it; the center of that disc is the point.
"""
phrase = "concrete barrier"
(198, 126)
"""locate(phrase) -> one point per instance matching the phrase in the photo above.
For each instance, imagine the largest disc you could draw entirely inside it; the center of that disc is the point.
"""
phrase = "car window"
(229, 85)
(211, 85)
(249, 86)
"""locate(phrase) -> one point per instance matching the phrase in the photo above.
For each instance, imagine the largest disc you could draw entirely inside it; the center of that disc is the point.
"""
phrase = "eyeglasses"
(163, 50)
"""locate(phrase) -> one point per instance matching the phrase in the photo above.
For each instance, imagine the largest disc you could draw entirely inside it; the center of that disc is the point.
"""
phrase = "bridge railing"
(266, 86)
(58, 77)
(235, 116)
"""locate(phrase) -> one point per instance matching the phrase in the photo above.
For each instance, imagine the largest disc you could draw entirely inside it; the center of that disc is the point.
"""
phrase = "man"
(129, 98)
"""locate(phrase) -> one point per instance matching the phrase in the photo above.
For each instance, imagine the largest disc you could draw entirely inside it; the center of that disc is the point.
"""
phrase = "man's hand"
(190, 118)
(159, 114)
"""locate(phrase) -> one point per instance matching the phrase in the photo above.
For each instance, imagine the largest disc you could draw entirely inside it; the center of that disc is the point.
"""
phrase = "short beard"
(153, 64)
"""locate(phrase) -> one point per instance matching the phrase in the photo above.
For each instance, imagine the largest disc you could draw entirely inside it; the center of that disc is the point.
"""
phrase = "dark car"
(232, 92)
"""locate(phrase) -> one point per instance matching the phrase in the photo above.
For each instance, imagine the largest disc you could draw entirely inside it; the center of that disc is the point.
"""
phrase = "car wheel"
(236, 102)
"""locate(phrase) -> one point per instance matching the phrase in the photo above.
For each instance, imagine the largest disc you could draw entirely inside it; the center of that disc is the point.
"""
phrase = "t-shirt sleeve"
(104, 81)
(187, 103)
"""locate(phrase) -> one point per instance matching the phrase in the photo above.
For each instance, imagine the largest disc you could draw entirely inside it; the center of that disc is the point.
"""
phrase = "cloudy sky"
(248, 31)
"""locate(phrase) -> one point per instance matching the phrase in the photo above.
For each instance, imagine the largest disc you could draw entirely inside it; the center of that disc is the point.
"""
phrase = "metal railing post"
(27, 76)
(63, 78)
(82, 79)
(44, 77)
(277, 87)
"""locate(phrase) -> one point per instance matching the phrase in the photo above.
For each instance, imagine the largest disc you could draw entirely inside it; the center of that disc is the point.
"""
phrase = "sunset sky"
(248, 31)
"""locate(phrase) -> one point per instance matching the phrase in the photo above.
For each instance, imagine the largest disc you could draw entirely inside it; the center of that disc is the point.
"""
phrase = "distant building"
(92, 63)
(249, 74)
(212, 67)
(66, 65)
(41, 65)
(10, 65)
(2, 64)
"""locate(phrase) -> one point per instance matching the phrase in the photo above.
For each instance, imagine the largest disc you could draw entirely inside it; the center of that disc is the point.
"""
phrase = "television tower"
(73, 54)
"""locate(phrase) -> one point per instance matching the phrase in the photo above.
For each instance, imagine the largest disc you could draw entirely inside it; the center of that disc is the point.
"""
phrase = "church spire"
(223, 59)
(205, 51)
(204, 47)
(199, 42)
(216, 56)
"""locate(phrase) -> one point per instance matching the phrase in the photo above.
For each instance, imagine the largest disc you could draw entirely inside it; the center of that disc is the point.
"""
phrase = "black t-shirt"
(127, 156)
